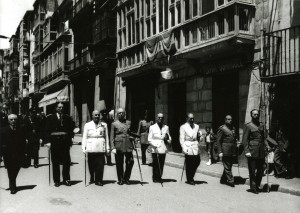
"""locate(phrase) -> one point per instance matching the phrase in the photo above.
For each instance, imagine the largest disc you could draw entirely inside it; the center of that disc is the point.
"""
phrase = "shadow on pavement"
(41, 165)
(73, 163)
(74, 182)
(273, 188)
(238, 180)
(26, 187)
(109, 182)
(200, 182)
(43, 157)
(168, 180)
(135, 182)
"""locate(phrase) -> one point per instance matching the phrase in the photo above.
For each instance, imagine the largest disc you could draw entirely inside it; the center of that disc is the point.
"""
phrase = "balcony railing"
(281, 53)
(236, 20)
(39, 19)
(52, 76)
(80, 61)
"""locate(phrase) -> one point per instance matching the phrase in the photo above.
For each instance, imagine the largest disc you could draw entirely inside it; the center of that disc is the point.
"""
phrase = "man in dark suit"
(33, 130)
(13, 144)
(227, 143)
(59, 132)
(122, 147)
(255, 145)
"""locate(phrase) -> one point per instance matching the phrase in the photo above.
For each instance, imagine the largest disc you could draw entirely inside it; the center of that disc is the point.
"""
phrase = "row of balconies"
(234, 21)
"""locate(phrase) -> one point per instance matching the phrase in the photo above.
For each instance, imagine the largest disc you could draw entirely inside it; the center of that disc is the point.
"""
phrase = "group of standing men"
(96, 143)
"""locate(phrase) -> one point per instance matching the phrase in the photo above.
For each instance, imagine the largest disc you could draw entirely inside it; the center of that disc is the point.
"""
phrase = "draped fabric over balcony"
(161, 46)
(59, 96)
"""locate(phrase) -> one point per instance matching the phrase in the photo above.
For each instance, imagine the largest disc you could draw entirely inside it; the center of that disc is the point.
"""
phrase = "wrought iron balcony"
(281, 54)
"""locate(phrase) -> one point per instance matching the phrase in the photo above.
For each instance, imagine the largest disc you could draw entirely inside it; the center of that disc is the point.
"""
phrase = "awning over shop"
(59, 96)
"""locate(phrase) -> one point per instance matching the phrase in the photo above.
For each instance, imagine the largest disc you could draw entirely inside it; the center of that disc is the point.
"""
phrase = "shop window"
(187, 9)
(187, 37)
(195, 8)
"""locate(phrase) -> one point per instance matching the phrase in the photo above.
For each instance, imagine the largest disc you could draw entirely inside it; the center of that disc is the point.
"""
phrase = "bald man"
(95, 143)
(189, 140)
(13, 144)
(122, 147)
(158, 137)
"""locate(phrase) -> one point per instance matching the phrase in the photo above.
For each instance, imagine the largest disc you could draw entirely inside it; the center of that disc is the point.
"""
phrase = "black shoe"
(109, 164)
(13, 191)
(254, 191)
(56, 184)
(91, 182)
(36, 166)
(120, 182)
(67, 183)
(230, 184)
(127, 182)
(144, 163)
(190, 182)
(223, 181)
(150, 164)
(100, 183)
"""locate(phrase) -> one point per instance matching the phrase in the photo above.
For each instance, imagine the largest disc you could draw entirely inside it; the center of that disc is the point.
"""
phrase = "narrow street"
(35, 195)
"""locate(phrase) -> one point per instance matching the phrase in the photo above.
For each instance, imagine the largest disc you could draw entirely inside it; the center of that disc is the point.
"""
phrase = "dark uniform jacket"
(227, 141)
(33, 130)
(60, 145)
(13, 145)
(119, 137)
(253, 140)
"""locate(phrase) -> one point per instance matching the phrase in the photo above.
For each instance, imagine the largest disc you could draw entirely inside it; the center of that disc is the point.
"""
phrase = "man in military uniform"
(255, 145)
(189, 140)
(34, 135)
(59, 132)
(122, 146)
(227, 143)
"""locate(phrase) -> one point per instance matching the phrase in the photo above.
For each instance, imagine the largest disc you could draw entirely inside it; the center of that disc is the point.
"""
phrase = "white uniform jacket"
(95, 137)
(156, 138)
(188, 139)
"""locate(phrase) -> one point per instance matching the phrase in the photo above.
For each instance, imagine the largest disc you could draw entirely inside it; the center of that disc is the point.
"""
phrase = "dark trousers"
(65, 172)
(157, 174)
(191, 164)
(119, 156)
(144, 149)
(280, 159)
(35, 158)
(256, 169)
(96, 166)
(12, 172)
(227, 172)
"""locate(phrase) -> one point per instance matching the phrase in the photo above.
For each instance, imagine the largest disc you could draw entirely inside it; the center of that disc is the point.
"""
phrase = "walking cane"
(137, 157)
(182, 170)
(49, 161)
(85, 169)
(268, 187)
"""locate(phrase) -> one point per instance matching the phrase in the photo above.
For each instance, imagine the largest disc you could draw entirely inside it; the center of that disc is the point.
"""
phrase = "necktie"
(60, 119)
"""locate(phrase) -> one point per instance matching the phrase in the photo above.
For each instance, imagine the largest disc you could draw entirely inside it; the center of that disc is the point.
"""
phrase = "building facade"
(178, 56)
(93, 66)
(279, 56)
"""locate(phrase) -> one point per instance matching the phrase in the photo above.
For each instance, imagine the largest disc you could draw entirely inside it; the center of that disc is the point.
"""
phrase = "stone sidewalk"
(291, 186)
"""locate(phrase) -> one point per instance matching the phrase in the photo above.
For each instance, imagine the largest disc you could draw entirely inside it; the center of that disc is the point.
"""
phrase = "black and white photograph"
(140, 106)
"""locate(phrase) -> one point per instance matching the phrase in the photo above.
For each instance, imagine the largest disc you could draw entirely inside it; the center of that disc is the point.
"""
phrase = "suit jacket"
(13, 145)
(156, 138)
(95, 137)
(119, 137)
(227, 141)
(53, 124)
(188, 139)
(253, 140)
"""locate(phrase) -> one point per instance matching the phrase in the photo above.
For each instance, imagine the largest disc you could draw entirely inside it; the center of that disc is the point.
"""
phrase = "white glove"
(114, 151)
(221, 155)
(48, 145)
(248, 154)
